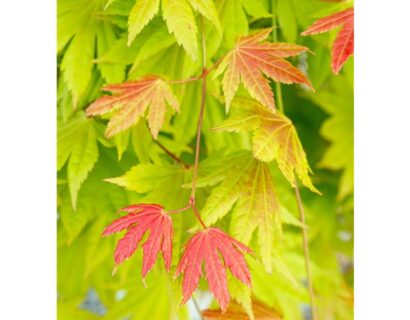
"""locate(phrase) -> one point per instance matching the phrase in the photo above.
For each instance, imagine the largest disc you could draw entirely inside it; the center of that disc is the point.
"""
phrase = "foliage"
(216, 65)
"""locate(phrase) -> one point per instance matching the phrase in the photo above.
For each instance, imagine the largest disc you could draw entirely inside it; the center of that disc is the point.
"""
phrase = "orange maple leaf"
(129, 102)
(251, 58)
(343, 46)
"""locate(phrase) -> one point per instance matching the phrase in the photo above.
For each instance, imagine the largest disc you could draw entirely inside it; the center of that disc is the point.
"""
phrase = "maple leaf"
(343, 45)
(77, 143)
(247, 188)
(235, 312)
(130, 101)
(140, 219)
(206, 245)
(274, 137)
(250, 59)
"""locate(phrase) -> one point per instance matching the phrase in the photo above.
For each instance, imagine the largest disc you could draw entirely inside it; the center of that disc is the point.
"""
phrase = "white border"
(382, 160)
(28, 152)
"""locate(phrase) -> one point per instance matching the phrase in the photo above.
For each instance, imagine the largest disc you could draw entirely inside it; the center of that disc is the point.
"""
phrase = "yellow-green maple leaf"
(180, 20)
(274, 138)
(141, 13)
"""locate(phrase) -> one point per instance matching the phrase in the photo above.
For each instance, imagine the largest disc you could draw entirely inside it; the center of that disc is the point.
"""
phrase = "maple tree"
(252, 213)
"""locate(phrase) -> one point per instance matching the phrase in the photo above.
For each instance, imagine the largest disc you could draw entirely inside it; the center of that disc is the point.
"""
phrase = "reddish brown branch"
(173, 156)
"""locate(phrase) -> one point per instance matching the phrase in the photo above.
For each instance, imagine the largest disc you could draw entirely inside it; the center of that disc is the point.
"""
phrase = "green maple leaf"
(77, 144)
(179, 19)
(79, 29)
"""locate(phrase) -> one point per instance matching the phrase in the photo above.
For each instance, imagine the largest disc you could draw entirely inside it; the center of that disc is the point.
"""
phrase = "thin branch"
(173, 156)
(201, 115)
(199, 128)
(305, 238)
(182, 81)
(188, 206)
(306, 253)
(198, 216)
(204, 73)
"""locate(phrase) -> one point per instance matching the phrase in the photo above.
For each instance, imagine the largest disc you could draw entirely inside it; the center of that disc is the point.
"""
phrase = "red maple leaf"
(343, 46)
(141, 218)
(206, 246)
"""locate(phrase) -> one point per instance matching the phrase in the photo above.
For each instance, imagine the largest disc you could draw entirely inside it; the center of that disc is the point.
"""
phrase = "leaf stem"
(204, 73)
(299, 201)
(172, 155)
(188, 206)
(198, 216)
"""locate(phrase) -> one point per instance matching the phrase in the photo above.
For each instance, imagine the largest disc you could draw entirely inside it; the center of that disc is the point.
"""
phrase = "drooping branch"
(199, 127)
(191, 203)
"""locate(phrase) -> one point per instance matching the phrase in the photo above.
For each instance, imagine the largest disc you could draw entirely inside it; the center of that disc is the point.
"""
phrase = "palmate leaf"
(77, 143)
(246, 188)
(129, 102)
(250, 59)
(206, 246)
(274, 138)
(140, 219)
(343, 46)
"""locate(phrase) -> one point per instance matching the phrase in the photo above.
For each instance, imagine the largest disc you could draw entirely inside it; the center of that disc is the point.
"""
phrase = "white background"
(28, 152)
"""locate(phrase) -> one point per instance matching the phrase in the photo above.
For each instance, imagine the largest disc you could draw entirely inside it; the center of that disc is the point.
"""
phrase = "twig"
(182, 81)
(201, 116)
(198, 216)
(199, 128)
(173, 156)
(204, 73)
(188, 206)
